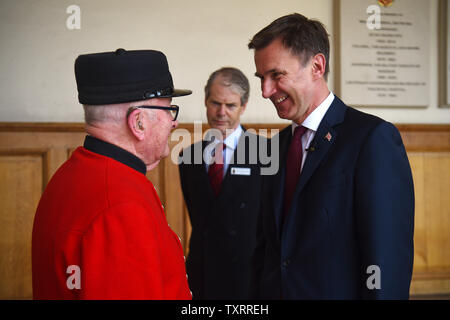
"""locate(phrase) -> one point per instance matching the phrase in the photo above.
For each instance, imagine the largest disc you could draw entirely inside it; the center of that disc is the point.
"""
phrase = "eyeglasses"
(173, 109)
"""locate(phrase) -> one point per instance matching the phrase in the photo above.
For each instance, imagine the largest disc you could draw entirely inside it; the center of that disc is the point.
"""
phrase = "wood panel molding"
(43, 153)
(41, 127)
(79, 127)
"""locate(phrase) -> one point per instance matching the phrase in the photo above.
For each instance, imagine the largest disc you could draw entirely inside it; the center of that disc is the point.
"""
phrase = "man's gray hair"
(230, 77)
(104, 113)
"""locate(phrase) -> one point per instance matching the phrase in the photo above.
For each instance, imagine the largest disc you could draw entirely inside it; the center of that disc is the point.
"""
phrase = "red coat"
(106, 218)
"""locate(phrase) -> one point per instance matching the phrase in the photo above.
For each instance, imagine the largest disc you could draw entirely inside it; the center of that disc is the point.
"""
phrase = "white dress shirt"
(231, 142)
(312, 123)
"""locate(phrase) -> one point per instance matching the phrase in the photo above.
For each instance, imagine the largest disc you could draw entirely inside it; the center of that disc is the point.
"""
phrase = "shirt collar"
(313, 121)
(233, 139)
(114, 152)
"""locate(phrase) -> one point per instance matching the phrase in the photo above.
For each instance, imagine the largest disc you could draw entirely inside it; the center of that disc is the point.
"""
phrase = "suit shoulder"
(363, 120)
(189, 149)
(285, 132)
(362, 116)
(252, 134)
(371, 125)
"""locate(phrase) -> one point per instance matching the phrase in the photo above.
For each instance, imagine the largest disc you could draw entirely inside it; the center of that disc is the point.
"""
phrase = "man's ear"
(135, 123)
(318, 65)
(243, 108)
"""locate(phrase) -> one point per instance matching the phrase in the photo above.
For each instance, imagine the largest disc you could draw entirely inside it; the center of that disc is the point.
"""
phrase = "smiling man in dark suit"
(338, 218)
(222, 193)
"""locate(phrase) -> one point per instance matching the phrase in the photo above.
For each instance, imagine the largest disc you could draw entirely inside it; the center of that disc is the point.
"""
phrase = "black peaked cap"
(124, 76)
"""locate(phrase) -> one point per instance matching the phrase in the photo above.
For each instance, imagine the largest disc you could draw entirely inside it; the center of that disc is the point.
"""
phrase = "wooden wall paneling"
(416, 161)
(428, 149)
(437, 205)
(422, 138)
(31, 153)
(429, 286)
(154, 177)
(174, 202)
(22, 179)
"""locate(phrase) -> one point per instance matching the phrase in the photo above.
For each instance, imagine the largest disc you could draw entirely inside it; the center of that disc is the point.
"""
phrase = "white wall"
(198, 36)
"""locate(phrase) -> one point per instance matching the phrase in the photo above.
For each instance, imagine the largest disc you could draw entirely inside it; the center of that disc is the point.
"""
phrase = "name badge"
(241, 171)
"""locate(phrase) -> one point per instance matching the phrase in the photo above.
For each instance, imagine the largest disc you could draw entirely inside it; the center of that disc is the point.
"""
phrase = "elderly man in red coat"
(100, 231)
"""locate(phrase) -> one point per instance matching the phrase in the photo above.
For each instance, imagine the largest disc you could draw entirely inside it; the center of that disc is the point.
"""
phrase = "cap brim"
(181, 92)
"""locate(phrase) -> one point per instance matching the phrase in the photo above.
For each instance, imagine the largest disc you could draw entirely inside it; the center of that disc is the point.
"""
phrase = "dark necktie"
(293, 167)
(215, 171)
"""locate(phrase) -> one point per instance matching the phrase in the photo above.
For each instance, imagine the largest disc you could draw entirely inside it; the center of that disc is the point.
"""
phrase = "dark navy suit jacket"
(223, 236)
(353, 209)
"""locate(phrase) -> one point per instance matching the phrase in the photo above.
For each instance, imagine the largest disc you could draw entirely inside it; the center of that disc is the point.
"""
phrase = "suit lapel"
(227, 178)
(202, 174)
(285, 137)
(323, 140)
(235, 162)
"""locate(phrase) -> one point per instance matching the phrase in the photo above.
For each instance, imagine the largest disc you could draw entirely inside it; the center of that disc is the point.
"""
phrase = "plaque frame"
(339, 65)
(443, 47)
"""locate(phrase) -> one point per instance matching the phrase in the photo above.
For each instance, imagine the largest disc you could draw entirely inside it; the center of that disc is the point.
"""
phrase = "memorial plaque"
(384, 52)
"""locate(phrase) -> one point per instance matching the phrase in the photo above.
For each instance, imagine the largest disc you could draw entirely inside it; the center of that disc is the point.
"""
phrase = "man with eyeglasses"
(100, 231)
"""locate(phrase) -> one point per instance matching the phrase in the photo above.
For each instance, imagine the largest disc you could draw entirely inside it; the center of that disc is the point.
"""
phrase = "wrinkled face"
(223, 107)
(158, 124)
(285, 81)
